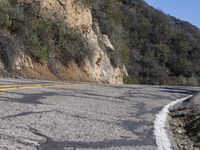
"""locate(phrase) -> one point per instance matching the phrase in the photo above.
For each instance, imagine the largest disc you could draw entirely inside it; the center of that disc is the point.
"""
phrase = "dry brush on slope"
(59, 35)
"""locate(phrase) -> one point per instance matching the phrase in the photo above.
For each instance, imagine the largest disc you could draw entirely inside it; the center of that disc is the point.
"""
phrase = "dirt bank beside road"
(185, 124)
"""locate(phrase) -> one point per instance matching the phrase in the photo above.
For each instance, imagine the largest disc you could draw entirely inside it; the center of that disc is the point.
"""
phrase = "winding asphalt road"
(42, 115)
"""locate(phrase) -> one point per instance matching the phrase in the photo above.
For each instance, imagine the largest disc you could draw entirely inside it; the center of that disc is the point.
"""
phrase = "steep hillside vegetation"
(156, 48)
(93, 40)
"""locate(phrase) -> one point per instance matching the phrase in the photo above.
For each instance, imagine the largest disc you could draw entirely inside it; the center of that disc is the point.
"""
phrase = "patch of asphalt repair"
(88, 116)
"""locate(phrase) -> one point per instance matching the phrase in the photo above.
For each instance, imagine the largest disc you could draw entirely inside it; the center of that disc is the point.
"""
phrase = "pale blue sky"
(188, 10)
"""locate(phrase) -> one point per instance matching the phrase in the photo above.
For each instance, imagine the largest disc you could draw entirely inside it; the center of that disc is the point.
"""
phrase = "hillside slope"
(54, 39)
(97, 40)
(156, 48)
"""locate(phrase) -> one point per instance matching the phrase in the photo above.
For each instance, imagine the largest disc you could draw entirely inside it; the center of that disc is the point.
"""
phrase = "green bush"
(5, 21)
(9, 14)
(40, 37)
(73, 46)
(162, 52)
(129, 80)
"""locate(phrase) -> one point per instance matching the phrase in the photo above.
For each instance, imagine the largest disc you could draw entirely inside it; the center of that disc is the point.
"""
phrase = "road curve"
(161, 125)
(43, 115)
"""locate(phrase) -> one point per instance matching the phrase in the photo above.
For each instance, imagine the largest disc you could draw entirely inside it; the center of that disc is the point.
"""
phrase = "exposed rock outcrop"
(79, 17)
(76, 15)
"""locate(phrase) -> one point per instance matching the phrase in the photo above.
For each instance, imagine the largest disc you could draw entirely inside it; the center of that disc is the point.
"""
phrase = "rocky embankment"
(76, 16)
(185, 124)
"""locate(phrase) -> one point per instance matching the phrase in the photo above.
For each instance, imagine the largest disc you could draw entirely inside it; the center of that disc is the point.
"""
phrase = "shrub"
(5, 21)
(41, 35)
(73, 46)
(130, 80)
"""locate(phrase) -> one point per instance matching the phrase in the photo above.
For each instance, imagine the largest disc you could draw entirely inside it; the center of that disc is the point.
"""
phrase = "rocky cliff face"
(76, 15)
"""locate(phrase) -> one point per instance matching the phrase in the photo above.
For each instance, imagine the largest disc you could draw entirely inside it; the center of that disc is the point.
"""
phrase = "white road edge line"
(162, 139)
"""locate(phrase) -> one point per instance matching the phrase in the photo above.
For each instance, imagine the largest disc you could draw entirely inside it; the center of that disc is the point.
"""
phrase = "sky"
(188, 10)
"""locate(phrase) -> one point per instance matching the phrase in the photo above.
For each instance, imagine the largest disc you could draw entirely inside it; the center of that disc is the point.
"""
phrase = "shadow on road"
(145, 137)
(178, 90)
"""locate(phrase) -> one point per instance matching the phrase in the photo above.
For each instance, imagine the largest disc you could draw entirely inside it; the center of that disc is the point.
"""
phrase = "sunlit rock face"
(77, 15)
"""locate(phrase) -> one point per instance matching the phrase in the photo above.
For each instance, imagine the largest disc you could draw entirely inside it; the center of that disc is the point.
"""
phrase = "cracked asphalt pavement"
(80, 116)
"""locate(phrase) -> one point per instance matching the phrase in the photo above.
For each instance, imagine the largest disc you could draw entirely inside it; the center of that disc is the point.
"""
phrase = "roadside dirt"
(185, 124)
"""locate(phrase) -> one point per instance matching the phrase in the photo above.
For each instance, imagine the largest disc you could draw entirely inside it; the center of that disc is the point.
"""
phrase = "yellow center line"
(32, 86)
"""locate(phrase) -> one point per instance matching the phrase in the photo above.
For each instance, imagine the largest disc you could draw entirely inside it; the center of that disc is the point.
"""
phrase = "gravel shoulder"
(185, 124)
